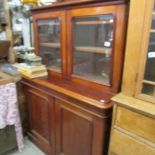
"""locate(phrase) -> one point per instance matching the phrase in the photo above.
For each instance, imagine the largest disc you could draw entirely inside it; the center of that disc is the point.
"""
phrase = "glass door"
(50, 40)
(92, 47)
(146, 74)
(96, 54)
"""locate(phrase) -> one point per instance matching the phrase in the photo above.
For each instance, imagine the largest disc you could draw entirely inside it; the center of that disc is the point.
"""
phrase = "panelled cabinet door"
(40, 119)
(96, 37)
(50, 43)
(77, 131)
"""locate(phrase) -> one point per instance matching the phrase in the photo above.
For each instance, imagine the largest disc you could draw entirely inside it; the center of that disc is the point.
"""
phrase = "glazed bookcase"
(80, 45)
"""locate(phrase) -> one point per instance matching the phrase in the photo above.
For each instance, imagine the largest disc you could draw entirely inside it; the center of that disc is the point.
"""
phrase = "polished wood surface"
(59, 121)
(74, 127)
(39, 118)
(98, 99)
(77, 3)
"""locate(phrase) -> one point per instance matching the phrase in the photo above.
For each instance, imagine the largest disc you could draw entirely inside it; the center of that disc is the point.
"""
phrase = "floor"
(30, 149)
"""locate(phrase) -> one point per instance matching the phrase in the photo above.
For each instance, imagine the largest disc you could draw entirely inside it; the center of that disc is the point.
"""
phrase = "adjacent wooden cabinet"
(133, 124)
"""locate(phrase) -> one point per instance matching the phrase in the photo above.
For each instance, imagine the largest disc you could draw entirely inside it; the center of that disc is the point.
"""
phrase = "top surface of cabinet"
(77, 3)
(79, 44)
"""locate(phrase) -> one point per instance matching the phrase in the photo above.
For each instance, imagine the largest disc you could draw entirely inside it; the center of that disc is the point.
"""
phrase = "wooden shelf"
(50, 45)
(149, 82)
(48, 24)
(93, 22)
(99, 50)
(153, 13)
(98, 78)
(152, 30)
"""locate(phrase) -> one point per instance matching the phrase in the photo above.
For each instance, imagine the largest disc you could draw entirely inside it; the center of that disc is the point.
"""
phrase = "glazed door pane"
(148, 85)
(49, 42)
(92, 47)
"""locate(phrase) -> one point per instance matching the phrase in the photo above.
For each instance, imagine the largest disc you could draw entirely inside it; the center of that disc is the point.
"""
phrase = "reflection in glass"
(51, 57)
(148, 89)
(153, 22)
(149, 74)
(93, 39)
(150, 62)
(49, 43)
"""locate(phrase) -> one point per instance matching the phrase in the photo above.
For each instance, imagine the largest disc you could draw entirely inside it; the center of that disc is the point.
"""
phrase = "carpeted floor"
(30, 149)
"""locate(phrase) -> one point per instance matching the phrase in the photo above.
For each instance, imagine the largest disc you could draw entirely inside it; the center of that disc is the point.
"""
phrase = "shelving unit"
(98, 50)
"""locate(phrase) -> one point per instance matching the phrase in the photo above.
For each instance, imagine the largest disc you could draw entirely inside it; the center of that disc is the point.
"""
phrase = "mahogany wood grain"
(79, 132)
(73, 92)
(39, 118)
(119, 13)
(66, 121)
(74, 131)
(77, 4)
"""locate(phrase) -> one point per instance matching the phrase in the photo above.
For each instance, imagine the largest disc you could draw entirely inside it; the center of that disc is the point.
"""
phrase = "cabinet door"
(40, 119)
(78, 132)
(96, 39)
(145, 83)
(50, 43)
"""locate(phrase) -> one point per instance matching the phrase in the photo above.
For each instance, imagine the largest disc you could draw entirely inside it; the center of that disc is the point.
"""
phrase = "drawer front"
(136, 123)
(122, 144)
